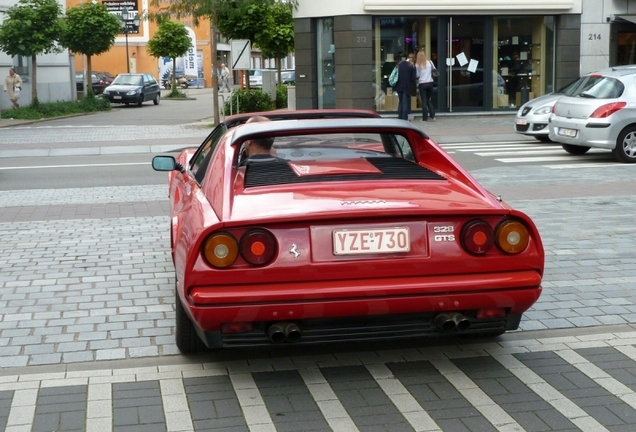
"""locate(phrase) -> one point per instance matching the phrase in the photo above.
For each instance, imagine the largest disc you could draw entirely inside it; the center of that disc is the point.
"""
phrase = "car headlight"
(544, 110)
(132, 92)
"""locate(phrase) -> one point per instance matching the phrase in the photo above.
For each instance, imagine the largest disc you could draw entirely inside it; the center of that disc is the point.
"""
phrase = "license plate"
(116, 97)
(567, 132)
(521, 122)
(370, 241)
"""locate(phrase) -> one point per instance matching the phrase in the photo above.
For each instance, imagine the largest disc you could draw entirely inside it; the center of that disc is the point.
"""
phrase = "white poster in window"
(515, 40)
(461, 58)
(472, 67)
(450, 61)
(523, 55)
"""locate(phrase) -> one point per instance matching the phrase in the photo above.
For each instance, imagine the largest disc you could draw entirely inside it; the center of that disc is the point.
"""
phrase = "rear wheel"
(625, 150)
(186, 336)
(574, 149)
(156, 99)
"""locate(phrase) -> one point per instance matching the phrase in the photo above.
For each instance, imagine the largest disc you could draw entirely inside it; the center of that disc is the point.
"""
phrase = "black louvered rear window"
(279, 172)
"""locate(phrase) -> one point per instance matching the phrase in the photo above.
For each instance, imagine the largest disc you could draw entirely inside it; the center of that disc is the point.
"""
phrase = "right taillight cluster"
(509, 236)
(257, 247)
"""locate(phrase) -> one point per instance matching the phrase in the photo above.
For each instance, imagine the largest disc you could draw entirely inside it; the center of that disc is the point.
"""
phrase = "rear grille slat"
(279, 172)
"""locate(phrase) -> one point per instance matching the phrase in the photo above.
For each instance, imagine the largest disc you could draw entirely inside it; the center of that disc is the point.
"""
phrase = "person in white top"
(425, 70)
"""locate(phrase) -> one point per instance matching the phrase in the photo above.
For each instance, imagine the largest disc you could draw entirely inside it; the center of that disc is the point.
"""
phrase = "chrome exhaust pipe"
(461, 322)
(293, 333)
(276, 333)
(444, 322)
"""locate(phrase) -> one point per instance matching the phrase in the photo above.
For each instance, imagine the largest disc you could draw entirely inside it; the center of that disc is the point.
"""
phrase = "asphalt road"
(87, 301)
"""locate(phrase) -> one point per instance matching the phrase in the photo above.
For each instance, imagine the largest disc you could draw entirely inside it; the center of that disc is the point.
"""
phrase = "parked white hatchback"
(600, 112)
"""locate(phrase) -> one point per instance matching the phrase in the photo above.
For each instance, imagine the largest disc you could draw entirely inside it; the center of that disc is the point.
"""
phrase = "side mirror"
(165, 163)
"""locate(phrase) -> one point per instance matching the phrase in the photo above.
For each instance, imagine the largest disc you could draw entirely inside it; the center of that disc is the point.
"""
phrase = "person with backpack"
(406, 76)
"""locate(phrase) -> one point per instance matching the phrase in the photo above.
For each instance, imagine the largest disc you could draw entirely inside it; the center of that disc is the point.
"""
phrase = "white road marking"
(73, 166)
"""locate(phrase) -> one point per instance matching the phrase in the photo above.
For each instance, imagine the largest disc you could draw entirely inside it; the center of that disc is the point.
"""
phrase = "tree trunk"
(174, 75)
(279, 65)
(34, 81)
(88, 83)
(215, 78)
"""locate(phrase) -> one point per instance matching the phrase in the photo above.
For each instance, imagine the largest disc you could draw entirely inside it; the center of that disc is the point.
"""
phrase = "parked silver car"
(599, 112)
(532, 118)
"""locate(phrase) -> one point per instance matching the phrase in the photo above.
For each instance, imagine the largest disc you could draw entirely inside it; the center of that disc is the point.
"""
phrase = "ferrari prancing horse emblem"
(294, 251)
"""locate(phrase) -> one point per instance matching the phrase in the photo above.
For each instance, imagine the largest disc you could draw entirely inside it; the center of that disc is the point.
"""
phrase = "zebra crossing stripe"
(175, 405)
(491, 411)
(599, 376)
(249, 397)
(548, 393)
(22, 411)
(99, 407)
(332, 409)
(402, 399)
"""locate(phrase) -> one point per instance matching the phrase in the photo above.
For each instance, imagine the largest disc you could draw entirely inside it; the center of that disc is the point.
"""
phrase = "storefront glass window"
(394, 38)
(326, 66)
(524, 53)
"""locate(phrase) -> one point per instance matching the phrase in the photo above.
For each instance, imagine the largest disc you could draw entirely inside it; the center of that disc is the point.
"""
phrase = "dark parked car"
(133, 88)
(100, 81)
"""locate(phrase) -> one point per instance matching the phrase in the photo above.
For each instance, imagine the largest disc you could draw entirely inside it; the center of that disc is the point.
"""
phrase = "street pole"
(127, 58)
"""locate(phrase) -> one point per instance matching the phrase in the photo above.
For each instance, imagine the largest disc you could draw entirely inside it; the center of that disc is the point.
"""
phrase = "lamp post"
(126, 18)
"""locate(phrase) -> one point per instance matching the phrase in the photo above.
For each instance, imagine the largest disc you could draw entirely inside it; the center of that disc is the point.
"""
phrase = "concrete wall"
(305, 48)
(568, 49)
(353, 37)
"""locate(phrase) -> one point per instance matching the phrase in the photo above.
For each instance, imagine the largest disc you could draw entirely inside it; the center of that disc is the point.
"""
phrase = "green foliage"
(170, 40)
(244, 101)
(31, 27)
(56, 109)
(245, 19)
(89, 29)
(278, 41)
(175, 93)
(281, 97)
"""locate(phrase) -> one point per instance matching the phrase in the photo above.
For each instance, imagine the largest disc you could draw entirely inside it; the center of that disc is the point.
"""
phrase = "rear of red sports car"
(360, 230)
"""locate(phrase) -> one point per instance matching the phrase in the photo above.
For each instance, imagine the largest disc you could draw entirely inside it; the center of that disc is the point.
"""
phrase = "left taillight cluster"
(257, 247)
(509, 236)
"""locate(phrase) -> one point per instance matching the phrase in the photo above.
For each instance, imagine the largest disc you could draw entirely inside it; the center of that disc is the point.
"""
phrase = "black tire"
(186, 336)
(157, 99)
(575, 149)
(543, 138)
(625, 150)
(167, 86)
(185, 86)
(141, 100)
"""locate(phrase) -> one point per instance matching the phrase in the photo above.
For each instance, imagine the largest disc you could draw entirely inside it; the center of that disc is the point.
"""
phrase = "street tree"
(170, 40)
(279, 39)
(31, 28)
(89, 29)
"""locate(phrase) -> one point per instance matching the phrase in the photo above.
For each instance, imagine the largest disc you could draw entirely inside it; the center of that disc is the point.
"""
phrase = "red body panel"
(435, 275)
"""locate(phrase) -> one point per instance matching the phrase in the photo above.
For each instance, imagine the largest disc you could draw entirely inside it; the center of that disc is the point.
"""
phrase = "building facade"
(54, 72)
(491, 54)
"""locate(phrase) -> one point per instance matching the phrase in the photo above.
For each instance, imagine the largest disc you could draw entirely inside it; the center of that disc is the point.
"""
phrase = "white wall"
(313, 8)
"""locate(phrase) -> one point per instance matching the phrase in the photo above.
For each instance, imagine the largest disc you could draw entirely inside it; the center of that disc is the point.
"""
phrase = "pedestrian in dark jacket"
(407, 75)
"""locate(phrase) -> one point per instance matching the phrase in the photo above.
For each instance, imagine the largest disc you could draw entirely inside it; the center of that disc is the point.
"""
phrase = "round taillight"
(477, 237)
(512, 236)
(220, 249)
(258, 247)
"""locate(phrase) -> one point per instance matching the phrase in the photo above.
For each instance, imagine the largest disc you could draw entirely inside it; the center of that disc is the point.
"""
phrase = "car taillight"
(554, 108)
(220, 249)
(477, 237)
(608, 109)
(511, 236)
(258, 247)
(101, 82)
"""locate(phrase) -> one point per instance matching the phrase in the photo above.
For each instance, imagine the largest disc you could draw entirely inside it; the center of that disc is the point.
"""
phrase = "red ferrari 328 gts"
(362, 228)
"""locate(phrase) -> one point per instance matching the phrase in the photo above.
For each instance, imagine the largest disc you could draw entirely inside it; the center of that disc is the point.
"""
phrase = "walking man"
(225, 78)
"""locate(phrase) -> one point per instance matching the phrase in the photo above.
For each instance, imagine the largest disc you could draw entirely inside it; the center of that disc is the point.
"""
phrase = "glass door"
(465, 63)
(326, 73)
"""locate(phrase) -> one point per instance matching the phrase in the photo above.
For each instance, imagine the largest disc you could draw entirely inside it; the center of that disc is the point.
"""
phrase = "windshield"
(597, 87)
(128, 80)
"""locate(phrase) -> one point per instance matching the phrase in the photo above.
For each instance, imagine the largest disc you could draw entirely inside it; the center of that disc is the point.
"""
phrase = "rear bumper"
(211, 306)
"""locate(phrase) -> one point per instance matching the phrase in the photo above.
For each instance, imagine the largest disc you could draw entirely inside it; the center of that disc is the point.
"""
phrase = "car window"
(598, 87)
(342, 146)
(201, 159)
(128, 80)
